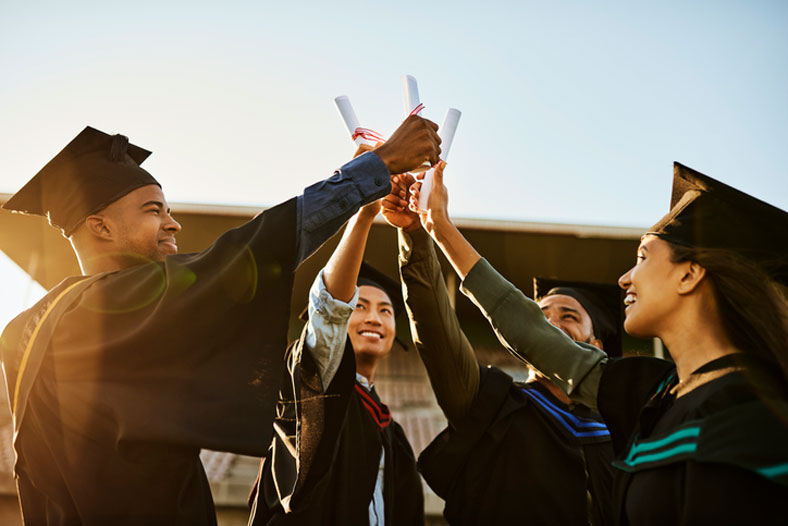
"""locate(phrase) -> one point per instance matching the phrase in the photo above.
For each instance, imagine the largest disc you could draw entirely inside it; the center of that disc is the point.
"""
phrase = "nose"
(626, 279)
(171, 225)
(372, 317)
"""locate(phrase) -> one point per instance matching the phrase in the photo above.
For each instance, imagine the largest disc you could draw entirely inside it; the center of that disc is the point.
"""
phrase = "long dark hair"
(753, 307)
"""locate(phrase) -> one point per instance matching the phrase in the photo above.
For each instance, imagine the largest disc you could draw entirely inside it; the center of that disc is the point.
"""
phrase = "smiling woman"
(704, 439)
(711, 441)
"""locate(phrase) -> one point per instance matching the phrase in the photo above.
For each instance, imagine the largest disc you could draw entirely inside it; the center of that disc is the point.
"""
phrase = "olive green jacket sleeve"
(443, 347)
(523, 329)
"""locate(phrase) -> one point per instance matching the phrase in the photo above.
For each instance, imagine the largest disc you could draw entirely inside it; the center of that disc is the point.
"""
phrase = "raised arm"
(445, 350)
(325, 206)
(518, 321)
(443, 347)
(334, 293)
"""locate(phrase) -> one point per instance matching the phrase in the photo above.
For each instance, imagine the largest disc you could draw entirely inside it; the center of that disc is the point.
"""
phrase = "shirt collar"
(366, 384)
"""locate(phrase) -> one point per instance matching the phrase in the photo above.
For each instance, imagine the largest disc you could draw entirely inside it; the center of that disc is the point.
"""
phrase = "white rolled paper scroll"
(410, 94)
(446, 132)
(351, 121)
(410, 98)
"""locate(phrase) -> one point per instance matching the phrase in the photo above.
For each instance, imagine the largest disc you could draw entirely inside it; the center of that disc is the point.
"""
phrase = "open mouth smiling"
(630, 299)
(372, 335)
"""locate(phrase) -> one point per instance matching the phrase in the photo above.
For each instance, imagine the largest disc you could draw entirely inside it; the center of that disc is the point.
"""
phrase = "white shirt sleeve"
(327, 328)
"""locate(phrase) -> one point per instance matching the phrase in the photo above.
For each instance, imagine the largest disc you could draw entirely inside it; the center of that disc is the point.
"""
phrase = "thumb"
(438, 174)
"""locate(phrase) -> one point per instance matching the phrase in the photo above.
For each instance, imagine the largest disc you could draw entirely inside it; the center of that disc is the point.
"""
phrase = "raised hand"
(396, 210)
(437, 212)
(413, 143)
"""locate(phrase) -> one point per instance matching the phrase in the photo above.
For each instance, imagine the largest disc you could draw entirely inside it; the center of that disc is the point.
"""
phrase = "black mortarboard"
(706, 213)
(369, 275)
(91, 172)
(602, 302)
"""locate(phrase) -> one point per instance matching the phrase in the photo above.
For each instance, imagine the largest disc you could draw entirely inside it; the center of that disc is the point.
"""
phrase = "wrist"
(363, 218)
(413, 227)
(441, 225)
(366, 217)
(383, 155)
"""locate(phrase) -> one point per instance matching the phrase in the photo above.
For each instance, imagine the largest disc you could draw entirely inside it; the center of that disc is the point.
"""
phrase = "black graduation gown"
(520, 456)
(145, 367)
(717, 455)
(340, 437)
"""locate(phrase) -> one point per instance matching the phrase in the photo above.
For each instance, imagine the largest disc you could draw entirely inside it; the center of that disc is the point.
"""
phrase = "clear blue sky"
(572, 111)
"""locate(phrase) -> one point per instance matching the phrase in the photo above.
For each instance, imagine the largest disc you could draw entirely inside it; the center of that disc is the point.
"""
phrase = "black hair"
(753, 307)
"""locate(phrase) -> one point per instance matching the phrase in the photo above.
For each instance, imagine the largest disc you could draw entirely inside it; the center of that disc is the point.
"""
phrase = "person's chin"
(377, 350)
(633, 327)
(167, 249)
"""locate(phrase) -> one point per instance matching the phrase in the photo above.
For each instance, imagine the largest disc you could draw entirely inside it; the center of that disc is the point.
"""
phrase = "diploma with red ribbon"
(413, 106)
(357, 133)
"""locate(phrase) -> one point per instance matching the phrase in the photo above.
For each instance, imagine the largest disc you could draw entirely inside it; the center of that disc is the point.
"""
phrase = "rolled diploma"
(446, 132)
(351, 121)
(410, 94)
(410, 98)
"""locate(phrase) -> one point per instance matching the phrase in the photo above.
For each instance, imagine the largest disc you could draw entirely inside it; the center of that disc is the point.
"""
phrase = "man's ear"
(99, 227)
(596, 342)
(691, 277)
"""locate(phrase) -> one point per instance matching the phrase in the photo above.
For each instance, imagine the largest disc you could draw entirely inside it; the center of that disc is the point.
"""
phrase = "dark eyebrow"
(563, 309)
(158, 204)
(365, 300)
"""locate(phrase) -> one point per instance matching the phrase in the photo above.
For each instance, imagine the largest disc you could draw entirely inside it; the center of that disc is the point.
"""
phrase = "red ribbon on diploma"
(372, 135)
(367, 134)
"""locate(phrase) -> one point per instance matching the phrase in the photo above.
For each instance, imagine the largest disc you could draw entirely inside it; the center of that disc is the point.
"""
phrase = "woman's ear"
(691, 278)
(99, 227)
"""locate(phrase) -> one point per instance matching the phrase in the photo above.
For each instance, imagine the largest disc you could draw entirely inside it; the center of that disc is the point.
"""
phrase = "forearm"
(443, 347)
(522, 328)
(325, 206)
(455, 247)
(341, 271)
(333, 297)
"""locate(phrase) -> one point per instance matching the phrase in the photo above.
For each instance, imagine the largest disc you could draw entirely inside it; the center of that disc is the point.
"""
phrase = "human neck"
(96, 266)
(96, 263)
(695, 338)
(697, 349)
(550, 386)
(366, 368)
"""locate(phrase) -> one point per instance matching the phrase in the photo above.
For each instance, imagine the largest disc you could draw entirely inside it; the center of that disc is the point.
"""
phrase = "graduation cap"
(602, 302)
(91, 172)
(369, 275)
(705, 213)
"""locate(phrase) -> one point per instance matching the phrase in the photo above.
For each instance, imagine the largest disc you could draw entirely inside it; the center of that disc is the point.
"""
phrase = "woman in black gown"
(703, 439)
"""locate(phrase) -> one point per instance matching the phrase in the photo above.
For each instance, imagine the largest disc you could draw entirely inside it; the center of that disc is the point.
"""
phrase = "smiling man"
(136, 228)
(586, 312)
(338, 457)
(118, 377)
(513, 453)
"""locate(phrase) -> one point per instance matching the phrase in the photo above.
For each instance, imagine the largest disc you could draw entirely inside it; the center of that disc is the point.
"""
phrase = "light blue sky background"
(572, 111)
